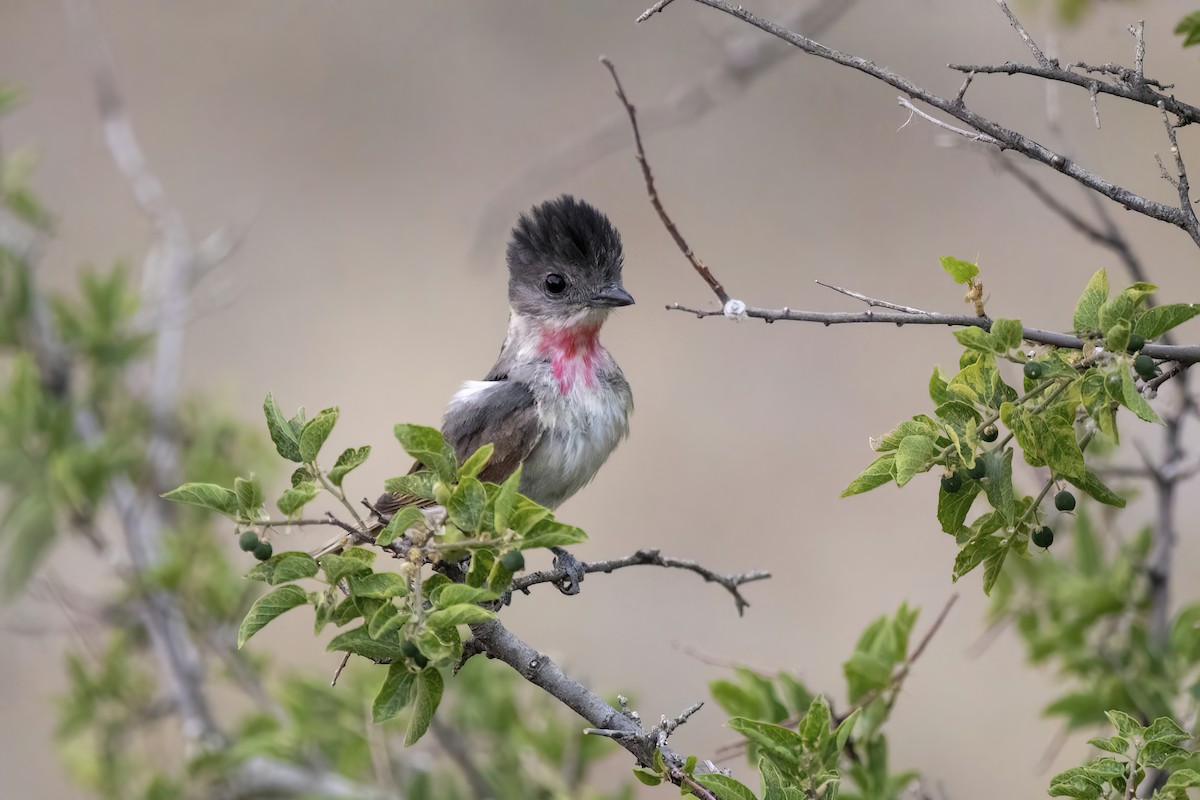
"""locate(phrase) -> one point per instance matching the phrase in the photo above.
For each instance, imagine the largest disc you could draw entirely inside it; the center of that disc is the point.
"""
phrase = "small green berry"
(1033, 370)
(1136, 343)
(1064, 501)
(990, 433)
(409, 649)
(951, 483)
(420, 661)
(513, 561)
(978, 471)
(262, 551)
(1043, 537)
(248, 541)
(1143, 365)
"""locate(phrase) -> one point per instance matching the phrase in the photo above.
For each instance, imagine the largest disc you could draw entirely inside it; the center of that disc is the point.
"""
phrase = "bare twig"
(1024, 34)
(974, 136)
(1185, 353)
(1181, 176)
(741, 61)
(871, 301)
(696, 263)
(654, 9)
(653, 558)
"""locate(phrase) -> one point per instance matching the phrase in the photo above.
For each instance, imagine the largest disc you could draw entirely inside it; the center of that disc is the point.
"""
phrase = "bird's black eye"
(555, 283)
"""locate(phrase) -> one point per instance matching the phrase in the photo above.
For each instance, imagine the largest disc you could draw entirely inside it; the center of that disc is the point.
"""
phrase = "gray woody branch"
(1135, 89)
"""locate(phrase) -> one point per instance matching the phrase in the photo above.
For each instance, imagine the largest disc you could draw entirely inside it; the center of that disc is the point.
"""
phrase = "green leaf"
(647, 776)
(287, 443)
(385, 620)
(461, 614)
(378, 585)
(772, 781)
(1160, 319)
(315, 432)
(725, 787)
(394, 694)
(1126, 725)
(1116, 338)
(249, 497)
(1189, 29)
(292, 500)
(427, 694)
(914, 455)
(338, 567)
(1132, 399)
(937, 387)
(360, 642)
(814, 727)
(953, 507)
(1182, 778)
(974, 552)
(1161, 754)
(976, 339)
(401, 521)
(206, 495)
(505, 501)
(1007, 333)
(960, 271)
(467, 504)
(1165, 729)
(882, 470)
(551, 533)
(267, 608)
(992, 565)
(1115, 744)
(418, 484)
(845, 728)
(918, 425)
(428, 447)
(350, 459)
(999, 486)
(1087, 312)
(478, 460)
(1097, 402)
(782, 744)
(283, 568)
(456, 593)
(1089, 483)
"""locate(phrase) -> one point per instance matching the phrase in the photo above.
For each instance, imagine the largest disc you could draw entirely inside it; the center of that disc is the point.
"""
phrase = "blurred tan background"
(357, 144)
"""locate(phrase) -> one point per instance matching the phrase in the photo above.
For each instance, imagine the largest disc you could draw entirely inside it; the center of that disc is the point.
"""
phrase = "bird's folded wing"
(502, 413)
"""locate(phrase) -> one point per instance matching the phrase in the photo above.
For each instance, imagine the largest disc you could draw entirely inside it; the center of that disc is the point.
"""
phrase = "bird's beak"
(611, 297)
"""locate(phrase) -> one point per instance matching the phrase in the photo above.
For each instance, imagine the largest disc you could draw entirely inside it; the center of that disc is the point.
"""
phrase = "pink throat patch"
(573, 353)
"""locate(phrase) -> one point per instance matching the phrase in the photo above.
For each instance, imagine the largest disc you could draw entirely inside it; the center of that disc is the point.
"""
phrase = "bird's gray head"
(564, 260)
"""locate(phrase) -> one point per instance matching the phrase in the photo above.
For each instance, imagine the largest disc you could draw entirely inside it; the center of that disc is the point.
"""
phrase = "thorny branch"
(1130, 87)
(732, 583)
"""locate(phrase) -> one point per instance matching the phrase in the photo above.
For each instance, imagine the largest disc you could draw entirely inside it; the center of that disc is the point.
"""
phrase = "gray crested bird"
(555, 401)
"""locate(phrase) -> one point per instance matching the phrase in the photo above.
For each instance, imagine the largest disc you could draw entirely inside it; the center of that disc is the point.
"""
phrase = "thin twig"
(652, 558)
(974, 136)
(654, 9)
(1189, 354)
(1024, 34)
(697, 264)
(871, 301)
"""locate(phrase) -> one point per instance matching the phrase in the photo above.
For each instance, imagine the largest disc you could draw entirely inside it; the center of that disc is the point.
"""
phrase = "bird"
(555, 402)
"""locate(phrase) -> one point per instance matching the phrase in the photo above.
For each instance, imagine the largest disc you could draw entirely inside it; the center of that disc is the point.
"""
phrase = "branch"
(1187, 354)
(652, 558)
(623, 727)
(742, 60)
(267, 777)
(1005, 139)
(697, 264)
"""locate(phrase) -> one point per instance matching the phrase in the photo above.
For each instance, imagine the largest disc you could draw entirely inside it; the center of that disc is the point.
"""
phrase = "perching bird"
(555, 400)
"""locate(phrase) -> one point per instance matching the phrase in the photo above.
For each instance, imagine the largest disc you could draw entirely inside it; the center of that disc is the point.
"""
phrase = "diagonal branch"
(652, 558)
(1006, 139)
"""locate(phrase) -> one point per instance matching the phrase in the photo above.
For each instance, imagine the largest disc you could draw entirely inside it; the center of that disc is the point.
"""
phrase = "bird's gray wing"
(499, 412)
